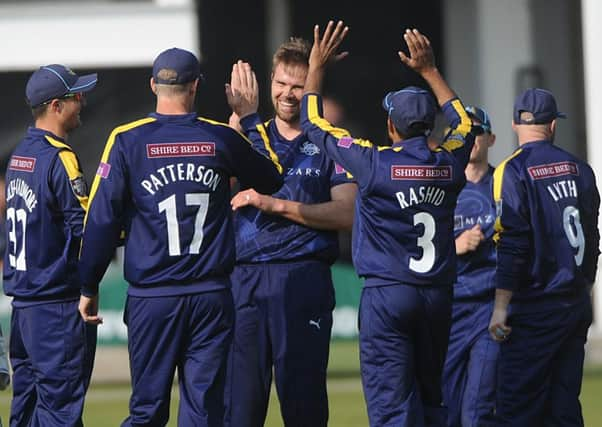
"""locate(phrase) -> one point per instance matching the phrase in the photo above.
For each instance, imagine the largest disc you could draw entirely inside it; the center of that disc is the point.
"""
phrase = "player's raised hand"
(88, 309)
(324, 48)
(322, 52)
(242, 92)
(421, 56)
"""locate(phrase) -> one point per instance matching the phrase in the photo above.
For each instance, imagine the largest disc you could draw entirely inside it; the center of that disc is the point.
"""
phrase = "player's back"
(171, 176)
(404, 227)
(554, 204)
(44, 219)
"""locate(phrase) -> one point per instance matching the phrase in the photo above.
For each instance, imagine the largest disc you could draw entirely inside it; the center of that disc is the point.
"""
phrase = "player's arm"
(4, 369)
(253, 168)
(355, 155)
(512, 231)
(242, 94)
(460, 139)
(589, 210)
(336, 214)
(103, 225)
(71, 193)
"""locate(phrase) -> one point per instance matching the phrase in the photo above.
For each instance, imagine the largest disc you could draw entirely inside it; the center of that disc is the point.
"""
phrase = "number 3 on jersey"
(427, 260)
(173, 226)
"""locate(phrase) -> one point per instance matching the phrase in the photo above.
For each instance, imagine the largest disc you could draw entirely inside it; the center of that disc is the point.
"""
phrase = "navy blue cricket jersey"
(46, 200)
(308, 177)
(403, 228)
(476, 269)
(547, 222)
(165, 181)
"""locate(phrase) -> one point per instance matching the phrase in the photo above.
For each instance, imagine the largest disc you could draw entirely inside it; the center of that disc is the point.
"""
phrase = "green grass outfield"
(107, 405)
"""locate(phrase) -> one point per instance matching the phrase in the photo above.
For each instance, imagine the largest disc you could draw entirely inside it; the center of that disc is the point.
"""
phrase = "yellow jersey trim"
(498, 179)
(107, 151)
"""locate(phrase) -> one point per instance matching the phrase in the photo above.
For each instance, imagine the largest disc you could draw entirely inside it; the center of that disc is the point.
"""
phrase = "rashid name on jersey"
(165, 181)
(406, 201)
(546, 229)
(308, 177)
(46, 200)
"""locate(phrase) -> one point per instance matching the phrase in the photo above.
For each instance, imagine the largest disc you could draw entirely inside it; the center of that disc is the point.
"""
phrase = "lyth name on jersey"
(176, 172)
(563, 189)
(567, 188)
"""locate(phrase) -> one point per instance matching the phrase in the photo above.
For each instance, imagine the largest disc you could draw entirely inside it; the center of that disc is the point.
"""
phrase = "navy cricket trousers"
(469, 376)
(190, 333)
(284, 320)
(541, 367)
(52, 353)
(404, 332)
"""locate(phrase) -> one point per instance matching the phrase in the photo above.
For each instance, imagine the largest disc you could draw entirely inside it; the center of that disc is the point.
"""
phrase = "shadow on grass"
(337, 374)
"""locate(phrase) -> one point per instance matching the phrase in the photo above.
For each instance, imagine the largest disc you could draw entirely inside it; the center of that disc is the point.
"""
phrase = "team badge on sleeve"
(338, 169)
(79, 186)
(103, 170)
(345, 142)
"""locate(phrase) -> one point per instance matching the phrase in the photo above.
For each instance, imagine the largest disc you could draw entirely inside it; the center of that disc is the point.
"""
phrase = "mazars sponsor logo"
(25, 164)
(553, 170)
(421, 173)
(180, 149)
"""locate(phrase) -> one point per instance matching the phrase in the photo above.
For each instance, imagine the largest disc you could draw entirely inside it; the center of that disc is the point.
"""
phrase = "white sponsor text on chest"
(180, 149)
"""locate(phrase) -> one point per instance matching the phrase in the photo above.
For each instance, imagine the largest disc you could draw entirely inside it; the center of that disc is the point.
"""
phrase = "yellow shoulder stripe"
(109, 146)
(266, 142)
(58, 144)
(214, 122)
(71, 165)
(465, 125)
(498, 178)
(452, 144)
(73, 172)
(314, 117)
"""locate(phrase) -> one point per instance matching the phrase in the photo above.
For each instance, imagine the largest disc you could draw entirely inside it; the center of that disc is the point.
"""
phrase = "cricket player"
(547, 254)
(51, 349)
(165, 180)
(285, 245)
(403, 241)
(469, 375)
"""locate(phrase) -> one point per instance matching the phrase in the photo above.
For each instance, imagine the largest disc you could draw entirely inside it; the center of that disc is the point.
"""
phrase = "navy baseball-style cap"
(55, 81)
(176, 66)
(540, 103)
(409, 106)
(481, 116)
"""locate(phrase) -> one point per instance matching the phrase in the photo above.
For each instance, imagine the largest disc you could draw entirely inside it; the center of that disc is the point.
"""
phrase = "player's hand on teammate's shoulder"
(421, 57)
(469, 240)
(242, 92)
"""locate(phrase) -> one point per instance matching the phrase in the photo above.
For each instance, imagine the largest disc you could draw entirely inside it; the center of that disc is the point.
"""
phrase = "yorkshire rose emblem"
(309, 148)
